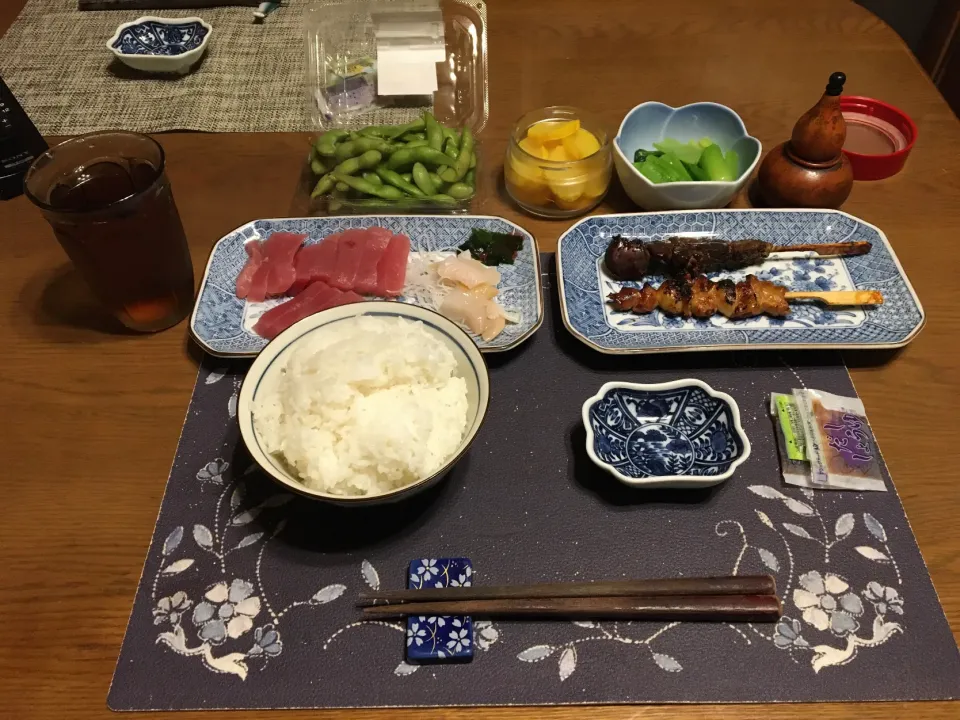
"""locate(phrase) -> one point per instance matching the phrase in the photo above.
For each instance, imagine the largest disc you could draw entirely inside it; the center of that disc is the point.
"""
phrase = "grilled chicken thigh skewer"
(700, 297)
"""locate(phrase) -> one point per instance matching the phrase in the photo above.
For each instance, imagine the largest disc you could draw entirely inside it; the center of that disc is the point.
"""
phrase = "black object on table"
(20, 144)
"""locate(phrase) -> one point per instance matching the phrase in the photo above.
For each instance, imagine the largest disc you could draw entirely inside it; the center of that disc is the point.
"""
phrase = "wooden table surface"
(92, 417)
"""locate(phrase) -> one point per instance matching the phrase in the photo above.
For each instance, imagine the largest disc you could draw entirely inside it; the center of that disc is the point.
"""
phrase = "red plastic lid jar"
(879, 137)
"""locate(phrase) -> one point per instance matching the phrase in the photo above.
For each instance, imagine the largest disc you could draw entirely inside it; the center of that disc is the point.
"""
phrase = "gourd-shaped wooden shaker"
(810, 169)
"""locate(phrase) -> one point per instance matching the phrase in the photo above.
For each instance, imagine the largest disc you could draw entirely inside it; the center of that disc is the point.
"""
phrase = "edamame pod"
(323, 186)
(407, 176)
(352, 148)
(326, 143)
(451, 148)
(352, 166)
(342, 187)
(398, 131)
(417, 143)
(459, 191)
(442, 198)
(372, 177)
(426, 155)
(451, 134)
(471, 178)
(459, 169)
(422, 179)
(387, 192)
(434, 131)
(317, 166)
(414, 136)
(397, 181)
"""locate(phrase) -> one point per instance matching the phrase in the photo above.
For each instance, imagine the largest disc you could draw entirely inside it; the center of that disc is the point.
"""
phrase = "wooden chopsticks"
(730, 599)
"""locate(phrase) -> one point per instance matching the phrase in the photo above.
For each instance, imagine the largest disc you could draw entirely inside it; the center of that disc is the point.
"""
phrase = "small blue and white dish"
(680, 434)
(223, 324)
(585, 284)
(652, 122)
(441, 638)
(161, 45)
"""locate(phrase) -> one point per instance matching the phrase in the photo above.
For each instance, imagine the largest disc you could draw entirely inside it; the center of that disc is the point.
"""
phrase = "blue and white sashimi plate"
(223, 324)
(585, 284)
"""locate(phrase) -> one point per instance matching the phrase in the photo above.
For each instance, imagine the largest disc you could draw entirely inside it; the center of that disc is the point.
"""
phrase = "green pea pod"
(317, 166)
(369, 160)
(456, 172)
(323, 186)
(426, 155)
(434, 131)
(451, 148)
(398, 131)
(407, 176)
(372, 177)
(396, 180)
(460, 191)
(422, 179)
(387, 192)
(471, 178)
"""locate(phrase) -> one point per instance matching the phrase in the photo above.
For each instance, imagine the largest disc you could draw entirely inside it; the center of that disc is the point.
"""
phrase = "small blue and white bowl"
(652, 122)
(161, 45)
(680, 434)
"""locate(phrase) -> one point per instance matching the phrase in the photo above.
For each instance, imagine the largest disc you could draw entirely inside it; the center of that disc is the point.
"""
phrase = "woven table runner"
(55, 60)
(861, 618)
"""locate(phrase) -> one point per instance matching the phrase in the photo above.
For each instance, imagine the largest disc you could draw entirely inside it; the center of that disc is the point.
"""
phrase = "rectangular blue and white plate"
(223, 324)
(585, 284)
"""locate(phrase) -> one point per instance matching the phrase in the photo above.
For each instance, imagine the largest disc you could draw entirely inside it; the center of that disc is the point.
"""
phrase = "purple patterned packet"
(841, 449)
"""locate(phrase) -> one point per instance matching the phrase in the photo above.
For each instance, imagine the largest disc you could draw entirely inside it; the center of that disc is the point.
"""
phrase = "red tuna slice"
(349, 253)
(254, 259)
(345, 299)
(318, 296)
(377, 240)
(392, 269)
(278, 252)
(315, 262)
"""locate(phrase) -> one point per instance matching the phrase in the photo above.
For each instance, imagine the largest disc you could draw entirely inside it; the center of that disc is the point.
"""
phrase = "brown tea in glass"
(109, 202)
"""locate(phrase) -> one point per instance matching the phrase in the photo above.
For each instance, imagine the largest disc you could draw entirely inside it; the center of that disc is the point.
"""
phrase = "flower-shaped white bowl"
(161, 45)
(266, 369)
(652, 122)
(680, 434)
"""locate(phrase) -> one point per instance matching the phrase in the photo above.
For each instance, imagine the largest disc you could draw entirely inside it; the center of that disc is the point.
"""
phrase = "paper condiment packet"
(840, 446)
(791, 441)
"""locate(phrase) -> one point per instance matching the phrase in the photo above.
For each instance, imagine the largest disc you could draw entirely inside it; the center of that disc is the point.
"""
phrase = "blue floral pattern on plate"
(160, 38)
(441, 638)
(584, 284)
(222, 323)
(682, 428)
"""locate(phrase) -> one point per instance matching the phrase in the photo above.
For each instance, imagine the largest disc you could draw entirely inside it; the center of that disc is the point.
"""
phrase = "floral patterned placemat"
(246, 599)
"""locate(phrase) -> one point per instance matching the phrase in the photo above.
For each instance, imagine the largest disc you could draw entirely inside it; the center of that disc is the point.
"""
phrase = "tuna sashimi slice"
(345, 299)
(392, 268)
(349, 252)
(315, 262)
(376, 242)
(254, 259)
(318, 296)
(278, 252)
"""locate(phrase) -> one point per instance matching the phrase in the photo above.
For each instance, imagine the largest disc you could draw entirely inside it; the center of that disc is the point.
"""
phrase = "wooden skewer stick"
(704, 608)
(840, 297)
(734, 585)
(858, 247)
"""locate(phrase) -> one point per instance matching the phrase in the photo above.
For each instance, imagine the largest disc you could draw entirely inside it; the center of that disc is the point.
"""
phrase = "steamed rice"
(364, 406)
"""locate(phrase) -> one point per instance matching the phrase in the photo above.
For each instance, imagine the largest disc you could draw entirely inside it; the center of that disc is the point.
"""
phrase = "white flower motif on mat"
(787, 634)
(826, 602)
(266, 641)
(228, 611)
(458, 638)
(884, 599)
(171, 609)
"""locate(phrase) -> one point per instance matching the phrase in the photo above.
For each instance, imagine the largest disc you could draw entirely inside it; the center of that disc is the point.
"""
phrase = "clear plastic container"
(341, 82)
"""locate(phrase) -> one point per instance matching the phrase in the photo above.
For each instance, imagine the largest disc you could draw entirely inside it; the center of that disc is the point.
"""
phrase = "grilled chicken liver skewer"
(633, 259)
(700, 297)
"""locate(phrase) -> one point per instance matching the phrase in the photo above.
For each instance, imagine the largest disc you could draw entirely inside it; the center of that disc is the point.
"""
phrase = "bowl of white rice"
(364, 403)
